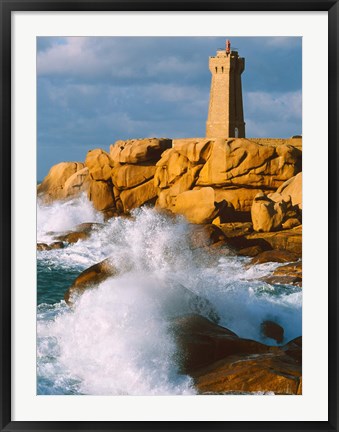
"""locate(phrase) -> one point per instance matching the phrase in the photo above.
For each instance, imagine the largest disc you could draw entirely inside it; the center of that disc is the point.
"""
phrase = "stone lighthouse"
(225, 113)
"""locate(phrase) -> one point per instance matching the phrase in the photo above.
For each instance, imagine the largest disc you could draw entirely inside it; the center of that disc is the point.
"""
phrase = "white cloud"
(283, 106)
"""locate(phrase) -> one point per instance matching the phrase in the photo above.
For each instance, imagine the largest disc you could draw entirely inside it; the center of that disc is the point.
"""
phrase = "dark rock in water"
(236, 229)
(202, 342)
(283, 280)
(289, 274)
(80, 232)
(221, 362)
(289, 240)
(292, 269)
(42, 247)
(89, 278)
(272, 330)
(275, 256)
(57, 245)
(250, 251)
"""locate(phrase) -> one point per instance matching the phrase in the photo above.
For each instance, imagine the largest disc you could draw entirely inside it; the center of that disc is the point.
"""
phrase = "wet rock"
(42, 247)
(57, 245)
(89, 278)
(289, 240)
(202, 342)
(274, 371)
(272, 330)
(283, 280)
(80, 232)
(280, 256)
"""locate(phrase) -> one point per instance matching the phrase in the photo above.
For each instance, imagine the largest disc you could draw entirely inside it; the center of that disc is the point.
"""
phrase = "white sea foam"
(61, 216)
(116, 340)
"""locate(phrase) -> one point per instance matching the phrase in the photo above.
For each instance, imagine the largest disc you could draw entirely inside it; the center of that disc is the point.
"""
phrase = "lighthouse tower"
(225, 113)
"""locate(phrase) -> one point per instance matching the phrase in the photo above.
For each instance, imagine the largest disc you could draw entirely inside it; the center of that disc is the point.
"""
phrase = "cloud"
(273, 114)
(95, 90)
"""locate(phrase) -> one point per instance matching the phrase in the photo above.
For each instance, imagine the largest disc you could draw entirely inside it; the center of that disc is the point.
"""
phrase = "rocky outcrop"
(52, 186)
(199, 178)
(99, 165)
(221, 362)
(137, 151)
(198, 206)
(77, 183)
(293, 188)
(239, 162)
(267, 215)
(79, 232)
(272, 330)
(289, 240)
(280, 256)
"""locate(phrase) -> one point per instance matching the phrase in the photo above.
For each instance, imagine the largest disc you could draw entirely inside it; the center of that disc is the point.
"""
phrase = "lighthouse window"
(216, 69)
(222, 69)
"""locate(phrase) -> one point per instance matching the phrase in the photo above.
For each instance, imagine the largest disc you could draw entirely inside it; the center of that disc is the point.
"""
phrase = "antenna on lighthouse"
(228, 47)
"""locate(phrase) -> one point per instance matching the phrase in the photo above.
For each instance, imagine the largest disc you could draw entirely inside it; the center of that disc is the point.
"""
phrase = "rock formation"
(203, 179)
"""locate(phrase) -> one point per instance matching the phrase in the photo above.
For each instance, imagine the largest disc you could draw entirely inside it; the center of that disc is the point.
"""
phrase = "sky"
(92, 91)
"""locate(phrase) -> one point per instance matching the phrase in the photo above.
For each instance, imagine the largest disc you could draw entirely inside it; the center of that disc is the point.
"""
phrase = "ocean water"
(116, 339)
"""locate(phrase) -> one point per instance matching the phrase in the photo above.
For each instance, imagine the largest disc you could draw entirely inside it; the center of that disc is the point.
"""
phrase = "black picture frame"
(6, 8)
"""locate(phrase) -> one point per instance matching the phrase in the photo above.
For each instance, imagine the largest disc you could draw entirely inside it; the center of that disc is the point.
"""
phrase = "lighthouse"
(225, 113)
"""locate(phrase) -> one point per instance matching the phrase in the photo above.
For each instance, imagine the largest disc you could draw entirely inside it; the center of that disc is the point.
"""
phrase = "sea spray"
(116, 339)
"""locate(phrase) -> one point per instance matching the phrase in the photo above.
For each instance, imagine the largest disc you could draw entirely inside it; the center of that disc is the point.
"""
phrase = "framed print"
(165, 205)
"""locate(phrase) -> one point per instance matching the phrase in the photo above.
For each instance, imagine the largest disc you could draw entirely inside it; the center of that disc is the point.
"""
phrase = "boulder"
(280, 256)
(289, 240)
(52, 186)
(99, 164)
(235, 229)
(198, 206)
(241, 198)
(80, 232)
(196, 150)
(139, 150)
(130, 176)
(170, 168)
(276, 371)
(272, 330)
(291, 223)
(202, 342)
(42, 247)
(138, 196)
(89, 278)
(221, 362)
(293, 188)
(77, 183)
(267, 215)
(101, 195)
(241, 162)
